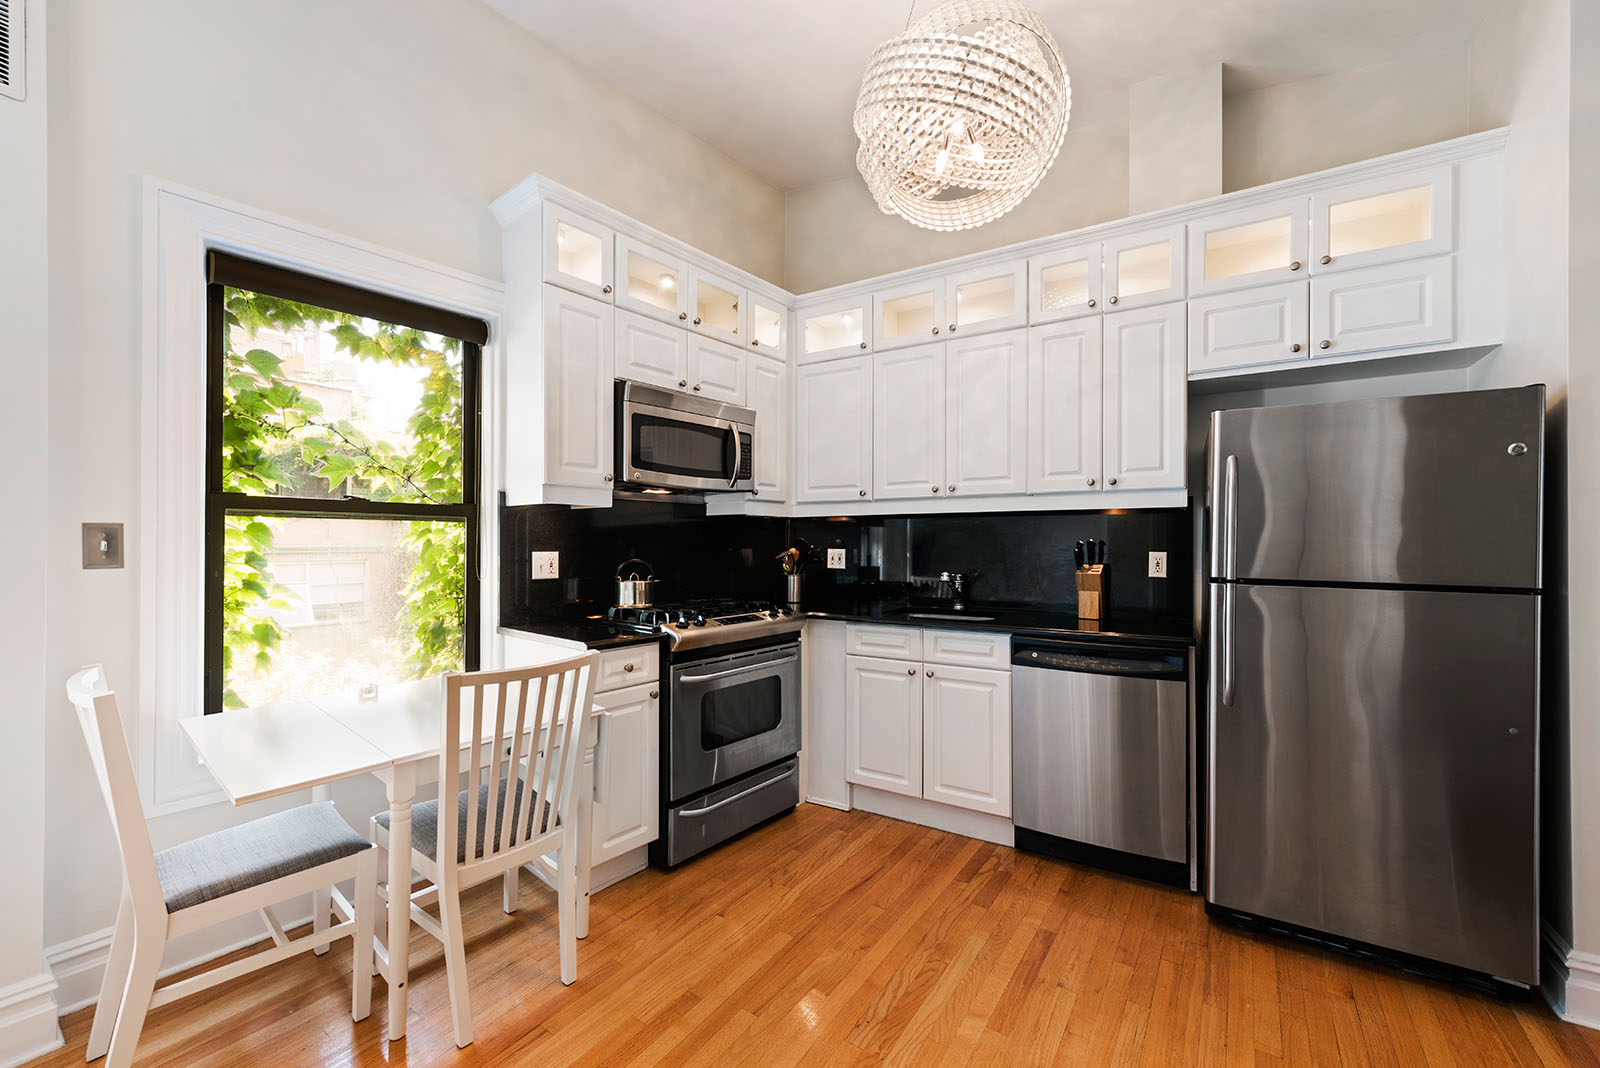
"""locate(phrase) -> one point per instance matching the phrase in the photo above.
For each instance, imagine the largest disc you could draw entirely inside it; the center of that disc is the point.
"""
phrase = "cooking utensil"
(790, 561)
(636, 590)
(1078, 558)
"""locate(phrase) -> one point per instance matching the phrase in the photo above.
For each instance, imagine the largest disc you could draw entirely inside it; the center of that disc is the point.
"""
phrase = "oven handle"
(740, 670)
(740, 796)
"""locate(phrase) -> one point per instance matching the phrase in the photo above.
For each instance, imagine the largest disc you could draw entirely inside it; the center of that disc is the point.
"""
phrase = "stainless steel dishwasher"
(1102, 767)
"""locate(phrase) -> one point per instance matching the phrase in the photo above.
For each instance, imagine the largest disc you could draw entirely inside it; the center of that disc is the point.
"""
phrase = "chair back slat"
(537, 754)
(101, 723)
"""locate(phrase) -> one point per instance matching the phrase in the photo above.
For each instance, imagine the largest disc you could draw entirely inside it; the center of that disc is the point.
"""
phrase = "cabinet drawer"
(629, 666)
(961, 648)
(895, 643)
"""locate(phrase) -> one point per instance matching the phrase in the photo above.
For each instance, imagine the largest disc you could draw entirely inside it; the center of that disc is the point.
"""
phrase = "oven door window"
(733, 713)
(674, 447)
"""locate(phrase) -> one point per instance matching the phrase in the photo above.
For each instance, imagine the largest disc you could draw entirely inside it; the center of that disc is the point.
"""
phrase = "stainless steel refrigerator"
(1373, 706)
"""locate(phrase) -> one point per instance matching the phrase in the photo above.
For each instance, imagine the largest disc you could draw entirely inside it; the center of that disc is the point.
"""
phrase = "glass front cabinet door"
(651, 282)
(838, 328)
(716, 307)
(1399, 217)
(910, 314)
(1144, 269)
(1064, 284)
(769, 327)
(1250, 246)
(987, 298)
(577, 253)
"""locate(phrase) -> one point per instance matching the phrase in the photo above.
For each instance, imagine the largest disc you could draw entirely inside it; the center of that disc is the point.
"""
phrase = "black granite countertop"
(1014, 619)
(595, 632)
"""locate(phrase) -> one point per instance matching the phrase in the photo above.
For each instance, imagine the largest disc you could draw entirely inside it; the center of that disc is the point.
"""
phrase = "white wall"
(1174, 139)
(392, 122)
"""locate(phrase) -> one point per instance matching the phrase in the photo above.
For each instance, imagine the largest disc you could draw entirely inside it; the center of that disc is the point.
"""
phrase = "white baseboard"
(1571, 981)
(996, 829)
(28, 1026)
(827, 802)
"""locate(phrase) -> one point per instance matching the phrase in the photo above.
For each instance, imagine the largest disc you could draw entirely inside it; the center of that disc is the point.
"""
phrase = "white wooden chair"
(516, 800)
(206, 881)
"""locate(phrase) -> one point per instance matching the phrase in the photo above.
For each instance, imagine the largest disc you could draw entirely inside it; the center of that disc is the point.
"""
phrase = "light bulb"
(561, 237)
(977, 151)
(941, 162)
(847, 319)
(668, 282)
(958, 127)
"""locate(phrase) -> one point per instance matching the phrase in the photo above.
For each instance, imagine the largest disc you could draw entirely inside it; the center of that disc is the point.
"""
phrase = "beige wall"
(1174, 139)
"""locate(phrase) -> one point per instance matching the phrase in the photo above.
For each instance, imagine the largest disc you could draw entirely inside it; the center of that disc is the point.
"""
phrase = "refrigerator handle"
(1225, 644)
(1230, 518)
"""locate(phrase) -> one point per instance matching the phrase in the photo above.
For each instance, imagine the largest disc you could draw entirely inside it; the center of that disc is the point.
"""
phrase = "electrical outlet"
(546, 565)
(835, 559)
(1158, 565)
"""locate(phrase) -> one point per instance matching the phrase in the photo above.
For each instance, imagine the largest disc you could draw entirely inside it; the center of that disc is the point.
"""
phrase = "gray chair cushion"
(253, 853)
(425, 822)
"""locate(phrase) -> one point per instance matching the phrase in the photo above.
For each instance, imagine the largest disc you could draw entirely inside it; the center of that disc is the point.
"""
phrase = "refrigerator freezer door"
(1375, 775)
(1442, 490)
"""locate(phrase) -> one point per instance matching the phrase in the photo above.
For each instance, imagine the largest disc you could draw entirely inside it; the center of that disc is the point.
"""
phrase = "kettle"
(636, 584)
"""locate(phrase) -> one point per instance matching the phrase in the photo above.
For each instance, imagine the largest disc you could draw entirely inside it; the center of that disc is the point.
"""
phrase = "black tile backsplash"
(1019, 558)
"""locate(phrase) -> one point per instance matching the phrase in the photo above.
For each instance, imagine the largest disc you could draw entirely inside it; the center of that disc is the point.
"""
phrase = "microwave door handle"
(738, 454)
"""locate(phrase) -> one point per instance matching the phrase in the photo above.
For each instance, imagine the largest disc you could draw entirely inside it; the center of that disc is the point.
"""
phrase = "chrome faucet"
(957, 581)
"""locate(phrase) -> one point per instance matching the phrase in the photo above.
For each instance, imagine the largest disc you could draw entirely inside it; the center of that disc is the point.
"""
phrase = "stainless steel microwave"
(675, 441)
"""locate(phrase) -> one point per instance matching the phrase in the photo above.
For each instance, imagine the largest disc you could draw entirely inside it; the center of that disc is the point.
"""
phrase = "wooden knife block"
(1091, 591)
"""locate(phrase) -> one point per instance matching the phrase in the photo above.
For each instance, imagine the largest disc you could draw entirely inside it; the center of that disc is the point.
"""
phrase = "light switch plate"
(102, 545)
(1158, 565)
(835, 559)
(546, 565)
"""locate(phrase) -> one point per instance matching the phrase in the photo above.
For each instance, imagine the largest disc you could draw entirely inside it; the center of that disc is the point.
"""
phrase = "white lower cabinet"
(1396, 305)
(833, 443)
(908, 422)
(767, 391)
(883, 724)
(1146, 398)
(650, 351)
(966, 738)
(627, 771)
(986, 414)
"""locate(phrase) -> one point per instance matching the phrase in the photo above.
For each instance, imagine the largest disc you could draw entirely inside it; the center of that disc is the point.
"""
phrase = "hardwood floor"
(833, 938)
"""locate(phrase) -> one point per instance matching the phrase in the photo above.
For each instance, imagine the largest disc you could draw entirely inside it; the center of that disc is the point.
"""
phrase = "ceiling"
(772, 83)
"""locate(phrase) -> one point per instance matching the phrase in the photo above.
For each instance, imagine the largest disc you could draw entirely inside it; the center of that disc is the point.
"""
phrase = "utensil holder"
(793, 588)
(1091, 591)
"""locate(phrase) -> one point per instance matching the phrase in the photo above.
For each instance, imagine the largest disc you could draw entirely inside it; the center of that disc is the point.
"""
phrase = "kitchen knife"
(1100, 552)
(1078, 555)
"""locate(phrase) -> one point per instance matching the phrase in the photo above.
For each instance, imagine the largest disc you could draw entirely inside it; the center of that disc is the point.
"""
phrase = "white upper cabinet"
(1395, 305)
(839, 328)
(908, 422)
(909, 314)
(1064, 406)
(577, 252)
(1064, 284)
(833, 440)
(1267, 324)
(716, 370)
(767, 391)
(1396, 217)
(578, 405)
(987, 298)
(966, 738)
(768, 326)
(651, 351)
(986, 414)
(1144, 269)
(651, 282)
(716, 306)
(1249, 246)
(1146, 398)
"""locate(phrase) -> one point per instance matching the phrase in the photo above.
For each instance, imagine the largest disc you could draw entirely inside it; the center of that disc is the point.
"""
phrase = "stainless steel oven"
(676, 441)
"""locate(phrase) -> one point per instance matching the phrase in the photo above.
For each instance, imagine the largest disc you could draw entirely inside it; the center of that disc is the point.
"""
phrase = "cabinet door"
(577, 252)
(1145, 269)
(833, 449)
(1392, 306)
(908, 314)
(716, 370)
(578, 352)
(908, 427)
(768, 394)
(883, 725)
(987, 298)
(717, 306)
(1401, 216)
(1250, 246)
(1064, 284)
(838, 328)
(1268, 324)
(769, 327)
(1145, 398)
(986, 420)
(627, 769)
(651, 282)
(1064, 442)
(966, 738)
(651, 351)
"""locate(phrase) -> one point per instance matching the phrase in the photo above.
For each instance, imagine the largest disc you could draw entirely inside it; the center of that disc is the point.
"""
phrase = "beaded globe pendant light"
(961, 115)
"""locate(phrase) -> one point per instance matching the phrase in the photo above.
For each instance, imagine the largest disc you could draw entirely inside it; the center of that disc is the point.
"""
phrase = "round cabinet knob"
(1091, 482)
(863, 493)
(930, 674)
(952, 328)
(682, 382)
(608, 478)
(936, 489)
(654, 694)
(755, 493)
(1112, 481)
(1295, 266)
(683, 315)
(863, 344)
(1516, 448)
(755, 342)
(936, 330)
(1091, 302)
(952, 489)
(697, 320)
(1325, 344)
(697, 387)
(1326, 260)
(627, 667)
(605, 289)
(1113, 299)
(911, 671)
(1295, 347)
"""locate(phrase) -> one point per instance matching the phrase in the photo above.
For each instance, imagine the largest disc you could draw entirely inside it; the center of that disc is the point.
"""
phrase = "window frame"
(230, 272)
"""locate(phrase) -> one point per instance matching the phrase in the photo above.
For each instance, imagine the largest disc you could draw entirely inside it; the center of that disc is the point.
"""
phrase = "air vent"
(13, 49)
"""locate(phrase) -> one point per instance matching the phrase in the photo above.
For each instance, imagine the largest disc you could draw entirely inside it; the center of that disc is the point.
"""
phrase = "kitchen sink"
(970, 618)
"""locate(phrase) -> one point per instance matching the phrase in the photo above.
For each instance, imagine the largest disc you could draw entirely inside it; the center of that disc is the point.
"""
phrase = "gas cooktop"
(694, 624)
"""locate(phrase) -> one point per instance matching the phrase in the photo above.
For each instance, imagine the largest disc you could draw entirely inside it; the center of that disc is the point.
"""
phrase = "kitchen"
(994, 457)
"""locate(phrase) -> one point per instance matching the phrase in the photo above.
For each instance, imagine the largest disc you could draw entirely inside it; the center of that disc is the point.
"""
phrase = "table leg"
(402, 787)
(322, 897)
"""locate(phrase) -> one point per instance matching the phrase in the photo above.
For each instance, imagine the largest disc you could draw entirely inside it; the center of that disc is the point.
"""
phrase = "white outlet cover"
(546, 565)
(1158, 565)
(835, 559)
